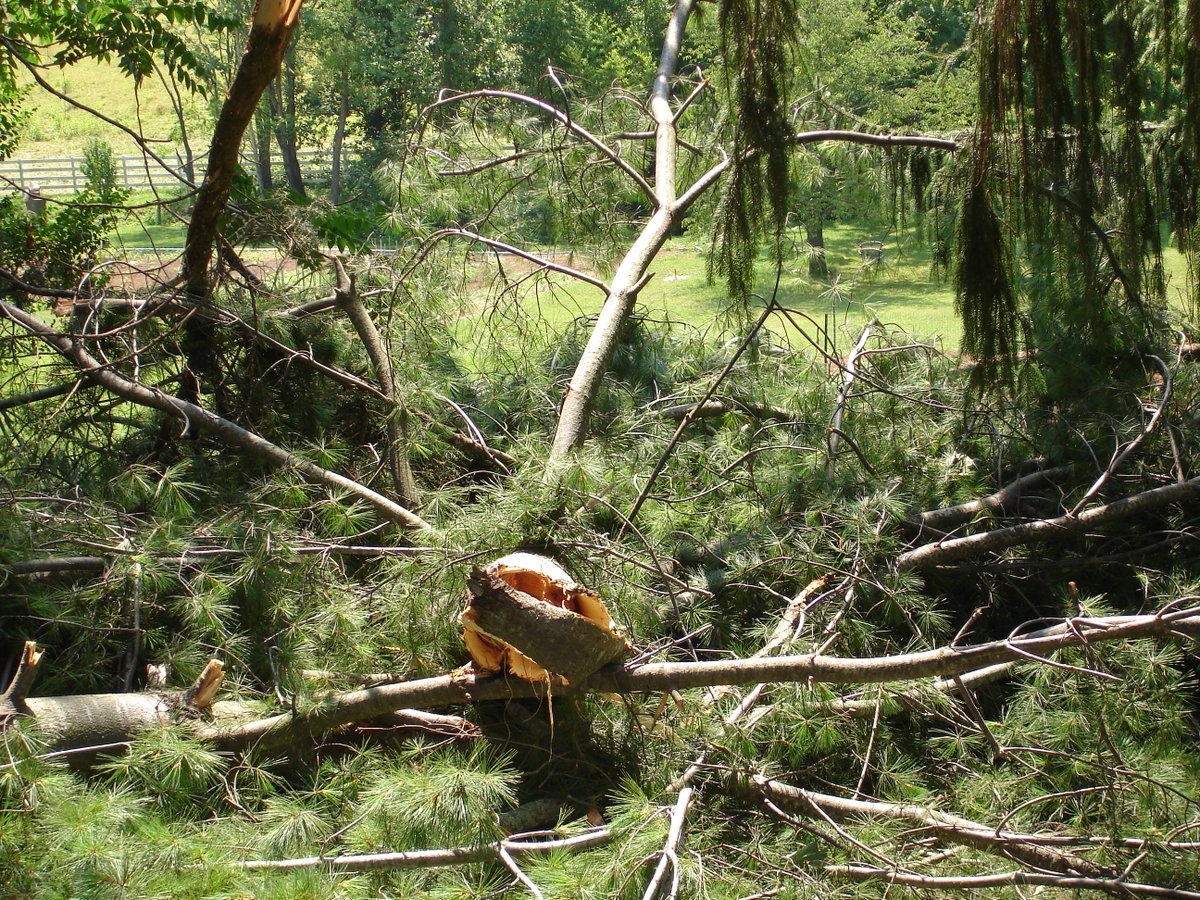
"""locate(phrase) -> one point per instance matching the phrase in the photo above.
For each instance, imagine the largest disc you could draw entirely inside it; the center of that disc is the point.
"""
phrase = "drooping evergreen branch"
(195, 416)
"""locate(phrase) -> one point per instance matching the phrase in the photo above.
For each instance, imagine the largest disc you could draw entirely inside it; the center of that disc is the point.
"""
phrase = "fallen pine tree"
(89, 720)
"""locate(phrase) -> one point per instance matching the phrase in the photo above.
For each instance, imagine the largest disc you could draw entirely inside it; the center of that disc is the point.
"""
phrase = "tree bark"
(814, 235)
(108, 718)
(282, 97)
(585, 383)
(270, 32)
(262, 149)
(339, 138)
(956, 549)
(403, 480)
(945, 826)
(467, 688)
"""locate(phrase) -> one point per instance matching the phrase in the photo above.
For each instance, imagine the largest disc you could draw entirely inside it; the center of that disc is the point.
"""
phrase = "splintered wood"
(527, 617)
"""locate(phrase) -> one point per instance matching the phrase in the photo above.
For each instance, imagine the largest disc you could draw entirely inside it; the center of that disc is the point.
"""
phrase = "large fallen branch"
(1023, 848)
(194, 416)
(955, 549)
(106, 718)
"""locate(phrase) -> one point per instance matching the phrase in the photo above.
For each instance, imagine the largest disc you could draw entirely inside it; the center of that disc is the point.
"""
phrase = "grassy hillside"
(56, 128)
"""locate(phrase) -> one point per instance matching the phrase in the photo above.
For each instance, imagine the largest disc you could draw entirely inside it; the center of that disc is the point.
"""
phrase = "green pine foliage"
(201, 552)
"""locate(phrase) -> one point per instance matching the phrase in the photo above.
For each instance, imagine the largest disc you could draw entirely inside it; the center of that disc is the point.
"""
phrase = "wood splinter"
(12, 701)
(204, 690)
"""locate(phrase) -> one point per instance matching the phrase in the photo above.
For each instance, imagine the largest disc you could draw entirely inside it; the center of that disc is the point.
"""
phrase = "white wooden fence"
(64, 175)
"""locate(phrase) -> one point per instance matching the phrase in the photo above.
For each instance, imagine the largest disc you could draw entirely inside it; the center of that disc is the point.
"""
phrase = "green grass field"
(55, 128)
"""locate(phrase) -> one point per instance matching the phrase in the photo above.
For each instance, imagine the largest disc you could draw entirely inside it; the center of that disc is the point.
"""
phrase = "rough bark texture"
(270, 31)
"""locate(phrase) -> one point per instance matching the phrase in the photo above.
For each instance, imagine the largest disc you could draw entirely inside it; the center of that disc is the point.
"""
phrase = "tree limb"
(427, 859)
(947, 518)
(943, 825)
(466, 687)
(941, 883)
(559, 116)
(403, 480)
(955, 549)
(271, 29)
(835, 432)
(195, 416)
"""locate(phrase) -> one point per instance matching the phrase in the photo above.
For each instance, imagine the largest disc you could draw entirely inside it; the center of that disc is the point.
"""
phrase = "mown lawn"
(55, 128)
(901, 291)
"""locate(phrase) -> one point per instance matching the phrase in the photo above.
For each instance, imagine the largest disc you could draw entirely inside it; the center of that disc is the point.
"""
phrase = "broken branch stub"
(526, 616)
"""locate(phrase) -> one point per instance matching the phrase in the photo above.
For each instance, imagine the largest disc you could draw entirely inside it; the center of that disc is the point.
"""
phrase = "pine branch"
(940, 883)
(1022, 848)
(554, 113)
(956, 549)
(941, 521)
(107, 718)
(195, 416)
(466, 687)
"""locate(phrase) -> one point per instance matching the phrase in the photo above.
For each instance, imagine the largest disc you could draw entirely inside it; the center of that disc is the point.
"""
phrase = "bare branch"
(941, 883)
(943, 520)
(403, 480)
(196, 416)
(524, 254)
(955, 549)
(427, 859)
(835, 432)
(559, 116)
(948, 827)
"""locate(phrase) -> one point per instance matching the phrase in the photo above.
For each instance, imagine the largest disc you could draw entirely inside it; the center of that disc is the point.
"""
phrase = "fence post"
(74, 176)
(21, 173)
